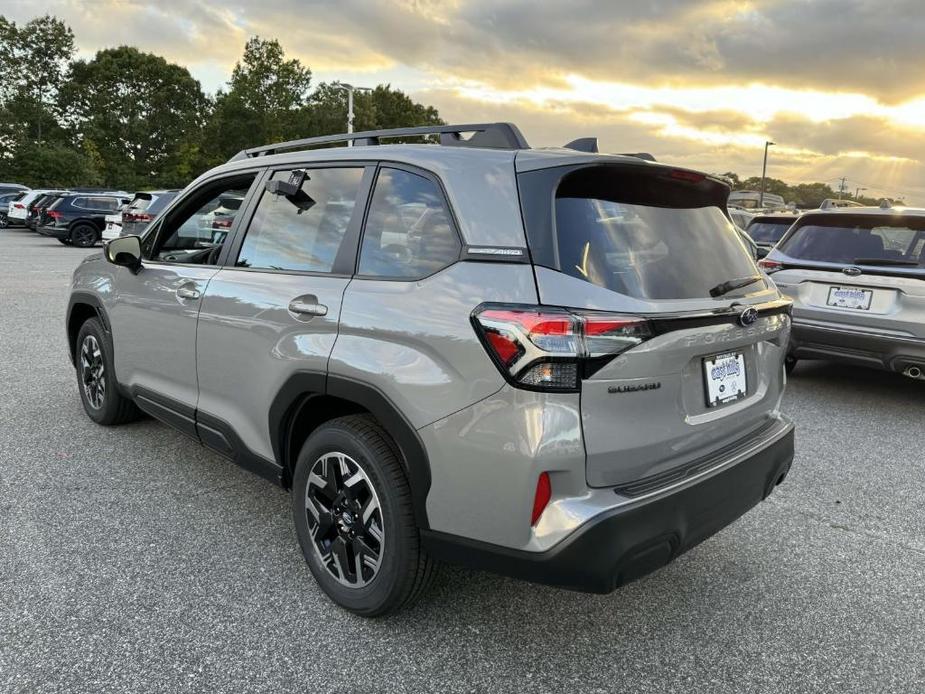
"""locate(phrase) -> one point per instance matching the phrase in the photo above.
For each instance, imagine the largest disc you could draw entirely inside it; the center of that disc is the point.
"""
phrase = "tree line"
(804, 195)
(127, 119)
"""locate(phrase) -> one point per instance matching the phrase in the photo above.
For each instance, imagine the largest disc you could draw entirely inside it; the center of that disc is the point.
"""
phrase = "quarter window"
(408, 231)
(302, 231)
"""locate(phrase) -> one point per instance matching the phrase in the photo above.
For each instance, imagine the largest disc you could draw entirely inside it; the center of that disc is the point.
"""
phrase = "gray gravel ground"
(132, 560)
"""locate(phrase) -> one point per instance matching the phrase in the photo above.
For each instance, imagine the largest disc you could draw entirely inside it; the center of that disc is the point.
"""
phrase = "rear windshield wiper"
(886, 261)
(729, 285)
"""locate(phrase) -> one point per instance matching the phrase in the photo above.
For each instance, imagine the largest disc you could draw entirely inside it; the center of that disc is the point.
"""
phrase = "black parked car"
(145, 206)
(79, 218)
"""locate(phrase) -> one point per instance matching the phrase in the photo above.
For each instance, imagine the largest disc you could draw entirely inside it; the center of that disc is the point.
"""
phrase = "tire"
(84, 235)
(790, 364)
(394, 570)
(104, 405)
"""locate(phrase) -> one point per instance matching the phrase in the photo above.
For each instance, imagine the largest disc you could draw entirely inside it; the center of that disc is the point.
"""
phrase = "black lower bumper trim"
(632, 541)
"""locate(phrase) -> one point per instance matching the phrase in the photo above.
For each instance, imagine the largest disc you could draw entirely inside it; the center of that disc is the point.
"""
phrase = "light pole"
(857, 193)
(350, 89)
(764, 171)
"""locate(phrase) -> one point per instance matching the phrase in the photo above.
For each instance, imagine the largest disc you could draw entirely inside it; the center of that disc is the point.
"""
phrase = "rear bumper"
(864, 347)
(629, 542)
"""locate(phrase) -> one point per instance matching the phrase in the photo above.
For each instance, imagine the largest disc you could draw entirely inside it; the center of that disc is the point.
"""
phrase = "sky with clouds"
(839, 85)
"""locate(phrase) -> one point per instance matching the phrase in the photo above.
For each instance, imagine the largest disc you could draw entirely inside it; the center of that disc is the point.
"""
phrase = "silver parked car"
(554, 364)
(857, 279)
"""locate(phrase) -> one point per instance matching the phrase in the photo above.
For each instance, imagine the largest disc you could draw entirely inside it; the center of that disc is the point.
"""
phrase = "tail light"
(549, 349)
(135, 217)
(19, 206)
(223, 223)
(54, 214)
(770, 266)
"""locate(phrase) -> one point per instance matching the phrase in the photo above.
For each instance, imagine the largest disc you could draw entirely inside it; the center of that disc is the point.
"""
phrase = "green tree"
(732, 178)
(142, 115)
(34, 60)
(264, 101)
(51, 165)
(771, 185)
(380, 108)
(811, 194)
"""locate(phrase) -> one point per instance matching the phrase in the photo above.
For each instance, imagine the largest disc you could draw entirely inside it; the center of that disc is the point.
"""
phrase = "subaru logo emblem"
(852, 271)
(748, 316)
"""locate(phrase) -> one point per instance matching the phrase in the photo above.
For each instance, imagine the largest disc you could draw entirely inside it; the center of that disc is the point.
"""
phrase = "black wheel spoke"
(344, 519)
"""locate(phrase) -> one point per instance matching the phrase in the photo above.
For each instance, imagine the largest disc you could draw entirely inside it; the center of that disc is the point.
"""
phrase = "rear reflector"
(541, 498)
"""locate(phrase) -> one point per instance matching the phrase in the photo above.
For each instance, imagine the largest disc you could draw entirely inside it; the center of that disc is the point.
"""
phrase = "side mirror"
(125, 251)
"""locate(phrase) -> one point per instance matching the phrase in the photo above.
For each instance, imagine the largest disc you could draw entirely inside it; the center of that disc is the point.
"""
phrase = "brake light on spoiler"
(541, 348)
(770, 266)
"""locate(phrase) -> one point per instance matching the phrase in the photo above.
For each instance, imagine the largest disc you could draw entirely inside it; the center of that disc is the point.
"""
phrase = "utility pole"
(857, 192)
(764, 171)
(842, 186)
(350, 89)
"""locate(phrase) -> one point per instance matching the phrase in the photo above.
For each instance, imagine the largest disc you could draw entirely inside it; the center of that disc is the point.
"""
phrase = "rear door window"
(409, 233)
(302, 232)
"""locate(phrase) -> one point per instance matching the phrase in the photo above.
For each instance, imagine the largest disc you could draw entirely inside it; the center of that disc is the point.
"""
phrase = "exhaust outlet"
(913, 372)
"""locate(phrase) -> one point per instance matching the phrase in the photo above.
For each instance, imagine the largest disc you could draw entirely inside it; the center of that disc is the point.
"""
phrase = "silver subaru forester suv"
(553, 364)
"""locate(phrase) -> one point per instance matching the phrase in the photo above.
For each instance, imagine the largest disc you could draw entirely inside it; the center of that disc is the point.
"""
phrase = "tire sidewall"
(110, 406)
(80, 226)
(370, 598)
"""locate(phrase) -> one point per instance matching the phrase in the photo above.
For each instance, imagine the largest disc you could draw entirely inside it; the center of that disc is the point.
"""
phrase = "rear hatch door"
(654, 242)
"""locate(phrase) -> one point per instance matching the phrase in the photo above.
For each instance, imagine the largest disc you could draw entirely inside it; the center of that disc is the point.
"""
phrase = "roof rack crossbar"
(491, 135)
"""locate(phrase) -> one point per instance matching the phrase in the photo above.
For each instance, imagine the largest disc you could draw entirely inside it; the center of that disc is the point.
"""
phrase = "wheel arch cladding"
(81, 307)
(309, 399)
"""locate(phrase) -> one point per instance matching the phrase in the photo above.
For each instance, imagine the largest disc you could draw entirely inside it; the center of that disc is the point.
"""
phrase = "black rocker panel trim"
(181, 417)
(221, 437)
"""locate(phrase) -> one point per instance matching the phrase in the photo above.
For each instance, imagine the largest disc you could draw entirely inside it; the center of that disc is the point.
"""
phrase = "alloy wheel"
(344, 519)
(93, 372)
(83, 236)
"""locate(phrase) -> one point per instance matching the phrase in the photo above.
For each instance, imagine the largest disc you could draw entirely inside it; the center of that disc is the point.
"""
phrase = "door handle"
(307, 308)
(187, 292)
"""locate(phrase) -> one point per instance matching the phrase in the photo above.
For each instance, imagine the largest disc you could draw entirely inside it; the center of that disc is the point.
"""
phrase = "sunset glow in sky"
(839, 85)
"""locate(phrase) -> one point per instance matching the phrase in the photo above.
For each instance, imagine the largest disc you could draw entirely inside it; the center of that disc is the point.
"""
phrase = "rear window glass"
(141, 203)
(648, 236)
(766, 231)
(861, 240)
(161, 202)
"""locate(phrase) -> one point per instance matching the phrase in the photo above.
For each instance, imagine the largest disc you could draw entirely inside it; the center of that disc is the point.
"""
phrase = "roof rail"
(490, 135)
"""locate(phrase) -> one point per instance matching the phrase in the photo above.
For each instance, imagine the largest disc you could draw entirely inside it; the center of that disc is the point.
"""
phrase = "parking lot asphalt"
(133, 560)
